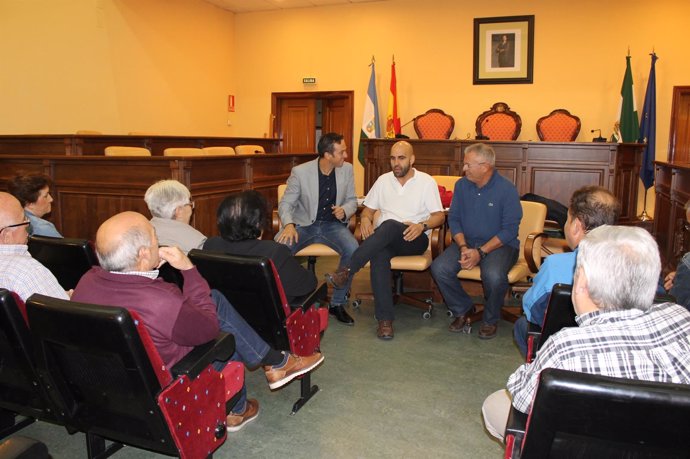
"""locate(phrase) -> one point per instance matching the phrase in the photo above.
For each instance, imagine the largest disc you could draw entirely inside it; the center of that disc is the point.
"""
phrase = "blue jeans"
(336, 236)
(386, 242)
(494, 275)
(681, 283)
(250, 348)
(520, 334)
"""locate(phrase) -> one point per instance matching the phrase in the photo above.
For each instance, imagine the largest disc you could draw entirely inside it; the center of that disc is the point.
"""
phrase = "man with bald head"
(19, 272)
(177, 320)
(409, 206)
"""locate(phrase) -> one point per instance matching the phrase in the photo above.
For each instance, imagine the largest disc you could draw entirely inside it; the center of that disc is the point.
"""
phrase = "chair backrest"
(183, 152)
(434, 124)
(99, 372)
(88, 132)
(252, 287)
(249, 149)
(558, 126)
(218, 151)
(281, 191)
(533, 218)
(499, 123)
(559, 314)
(68, 259)
(20, 388)
(127, 151)
(583, 415)
(447, 181)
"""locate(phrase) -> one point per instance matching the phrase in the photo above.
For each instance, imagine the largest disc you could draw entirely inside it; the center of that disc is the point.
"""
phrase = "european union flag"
(648, 129)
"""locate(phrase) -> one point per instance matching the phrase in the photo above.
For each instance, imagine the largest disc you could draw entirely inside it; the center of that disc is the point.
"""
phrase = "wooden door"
(337, 117)
(297, 119)
(679, 139)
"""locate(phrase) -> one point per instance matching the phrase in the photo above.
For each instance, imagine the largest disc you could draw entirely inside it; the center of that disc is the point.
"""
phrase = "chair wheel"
(356, 304)
(426, 315)
(429, 301)
(449, 313)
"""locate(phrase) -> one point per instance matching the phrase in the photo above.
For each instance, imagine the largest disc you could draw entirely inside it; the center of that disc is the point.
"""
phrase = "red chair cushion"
(446, 196)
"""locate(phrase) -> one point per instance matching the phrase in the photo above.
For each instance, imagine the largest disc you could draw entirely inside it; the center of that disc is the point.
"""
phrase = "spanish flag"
(392, 120)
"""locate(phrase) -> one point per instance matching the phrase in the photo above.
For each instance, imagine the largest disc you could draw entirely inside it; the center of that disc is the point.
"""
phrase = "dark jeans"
(681, 283)
(386, 242)
(250, 348)
(494, 275)
(336, 236)
(520, 329)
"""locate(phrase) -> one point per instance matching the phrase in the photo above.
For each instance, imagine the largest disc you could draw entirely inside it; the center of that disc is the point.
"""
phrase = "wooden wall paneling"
(663, 179)
(679, 137)
(35, 145)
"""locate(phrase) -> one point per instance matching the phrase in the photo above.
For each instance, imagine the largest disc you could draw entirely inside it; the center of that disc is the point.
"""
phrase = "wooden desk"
(550, 169)
(87, 145)
(90, 189)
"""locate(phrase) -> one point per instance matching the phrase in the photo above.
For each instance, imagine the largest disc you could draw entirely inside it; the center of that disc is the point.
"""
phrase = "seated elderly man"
(19, 272)
(171, 205)
(128, 251)
(620, 332)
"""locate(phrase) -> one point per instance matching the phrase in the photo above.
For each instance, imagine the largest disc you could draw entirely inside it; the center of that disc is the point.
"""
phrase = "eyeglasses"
(190, 204)
(26, 222)
(469, 165)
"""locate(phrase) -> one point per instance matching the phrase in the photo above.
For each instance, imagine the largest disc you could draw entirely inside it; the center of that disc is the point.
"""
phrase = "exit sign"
(309, 80)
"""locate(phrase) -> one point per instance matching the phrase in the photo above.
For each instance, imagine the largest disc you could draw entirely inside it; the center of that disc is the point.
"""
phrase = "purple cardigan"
(176, 320)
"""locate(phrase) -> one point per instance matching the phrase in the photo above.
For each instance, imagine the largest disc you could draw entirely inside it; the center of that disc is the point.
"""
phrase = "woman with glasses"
(170, 203)
(33, 193)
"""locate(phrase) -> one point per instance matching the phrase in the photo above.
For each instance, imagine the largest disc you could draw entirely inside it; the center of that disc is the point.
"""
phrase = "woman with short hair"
(33, 193)
(241, 218)
(171, 206)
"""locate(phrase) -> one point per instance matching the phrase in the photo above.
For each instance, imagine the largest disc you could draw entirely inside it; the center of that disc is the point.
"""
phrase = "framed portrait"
(503, 50)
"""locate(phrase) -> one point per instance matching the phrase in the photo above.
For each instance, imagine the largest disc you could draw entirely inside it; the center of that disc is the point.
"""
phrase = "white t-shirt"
(413, 202)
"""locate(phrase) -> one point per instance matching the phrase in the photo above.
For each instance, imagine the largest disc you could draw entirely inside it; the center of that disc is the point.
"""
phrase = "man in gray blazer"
(317, 204)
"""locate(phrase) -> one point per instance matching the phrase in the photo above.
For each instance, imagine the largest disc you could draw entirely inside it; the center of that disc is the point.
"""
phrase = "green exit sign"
(309, 80)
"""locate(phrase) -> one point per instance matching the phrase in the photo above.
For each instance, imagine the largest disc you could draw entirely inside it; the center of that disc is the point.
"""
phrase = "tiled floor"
(416, 396)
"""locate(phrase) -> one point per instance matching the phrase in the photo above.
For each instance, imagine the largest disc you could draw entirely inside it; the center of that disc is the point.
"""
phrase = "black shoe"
(341, 314)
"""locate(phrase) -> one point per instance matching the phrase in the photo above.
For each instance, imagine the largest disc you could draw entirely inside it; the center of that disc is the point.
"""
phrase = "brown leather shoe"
(385, 329)
(236, 422)
(457, 325)
(487, 331)
(339, 278)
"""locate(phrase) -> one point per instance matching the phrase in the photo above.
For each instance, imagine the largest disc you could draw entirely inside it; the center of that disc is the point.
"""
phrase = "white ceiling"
(246, 6)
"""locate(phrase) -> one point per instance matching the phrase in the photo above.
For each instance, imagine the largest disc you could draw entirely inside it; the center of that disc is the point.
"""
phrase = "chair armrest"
(275, 221)
(515, 432)
(201, 356)
(306, 301)
(533, 338)
(529, 254)
(438, 236)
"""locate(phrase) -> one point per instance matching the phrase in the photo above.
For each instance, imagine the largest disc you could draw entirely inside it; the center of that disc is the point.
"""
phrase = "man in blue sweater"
(590, 207)
(484, 218)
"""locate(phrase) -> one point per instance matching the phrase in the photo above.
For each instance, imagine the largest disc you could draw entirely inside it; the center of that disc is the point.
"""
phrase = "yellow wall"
(115, 66)
(580, 50)
(167, 66)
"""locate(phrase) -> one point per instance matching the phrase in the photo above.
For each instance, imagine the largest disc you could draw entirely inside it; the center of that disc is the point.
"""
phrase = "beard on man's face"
(400, 171)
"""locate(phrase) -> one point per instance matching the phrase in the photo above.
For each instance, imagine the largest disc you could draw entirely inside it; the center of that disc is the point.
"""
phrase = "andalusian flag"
(648, 129)
(630, 124)
(371, 126)
(392, 120)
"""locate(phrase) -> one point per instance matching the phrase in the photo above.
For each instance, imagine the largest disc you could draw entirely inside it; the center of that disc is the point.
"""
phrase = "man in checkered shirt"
(619, 334)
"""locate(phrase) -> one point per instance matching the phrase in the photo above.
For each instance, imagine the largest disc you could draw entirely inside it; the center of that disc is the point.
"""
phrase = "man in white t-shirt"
(409, 206)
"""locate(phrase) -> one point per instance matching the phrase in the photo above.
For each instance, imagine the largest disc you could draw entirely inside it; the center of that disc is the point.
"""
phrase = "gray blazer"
(301, 198)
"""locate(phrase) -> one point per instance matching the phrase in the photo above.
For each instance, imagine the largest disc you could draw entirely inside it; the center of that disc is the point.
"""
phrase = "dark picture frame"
(503, 50)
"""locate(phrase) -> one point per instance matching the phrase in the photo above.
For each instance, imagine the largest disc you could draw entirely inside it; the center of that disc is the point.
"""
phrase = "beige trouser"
(495, 410)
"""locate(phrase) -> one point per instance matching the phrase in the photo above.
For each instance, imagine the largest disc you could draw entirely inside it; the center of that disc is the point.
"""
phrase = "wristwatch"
(481, 253)
(425, 226)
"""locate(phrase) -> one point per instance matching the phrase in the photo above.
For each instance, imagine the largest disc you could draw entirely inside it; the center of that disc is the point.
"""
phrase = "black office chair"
(253, 287)
(22, 396)
(579, 415)
(68, 259)
(106, 376)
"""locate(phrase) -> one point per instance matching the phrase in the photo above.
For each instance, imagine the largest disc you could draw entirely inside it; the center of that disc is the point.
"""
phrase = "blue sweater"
(482, 213)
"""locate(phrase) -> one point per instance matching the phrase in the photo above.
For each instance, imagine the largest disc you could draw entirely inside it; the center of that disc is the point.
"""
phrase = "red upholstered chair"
(23, 398)
(499, 123)
(105, 375)
(253, 287)
(558, 126)
(434, 124)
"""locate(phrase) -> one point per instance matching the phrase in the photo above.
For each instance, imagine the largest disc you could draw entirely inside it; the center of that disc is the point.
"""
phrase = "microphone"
(598, 139)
